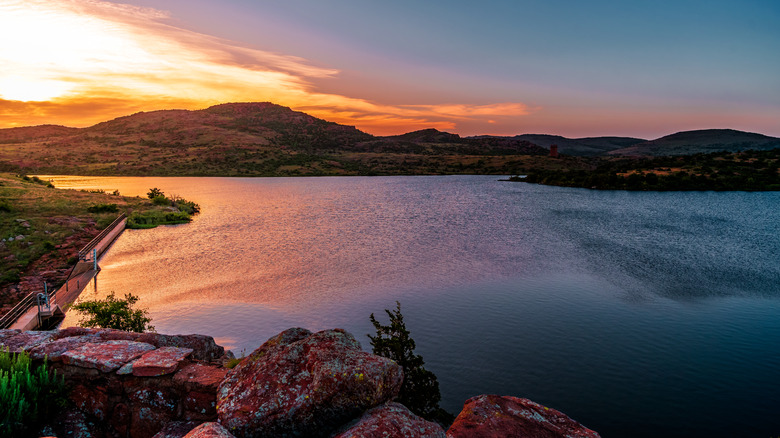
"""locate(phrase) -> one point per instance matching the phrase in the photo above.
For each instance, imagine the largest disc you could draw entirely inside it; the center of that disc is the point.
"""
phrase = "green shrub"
(420, 389)
(155, 193)
(28, 395)
(160, 200)
(114, 313)
(6, 206)
(103, 208)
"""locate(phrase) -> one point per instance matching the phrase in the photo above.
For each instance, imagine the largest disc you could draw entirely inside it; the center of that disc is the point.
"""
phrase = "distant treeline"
(749, 170)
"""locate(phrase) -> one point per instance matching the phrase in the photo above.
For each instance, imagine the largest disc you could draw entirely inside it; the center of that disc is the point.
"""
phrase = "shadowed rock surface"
(391, 420)
(488, 416)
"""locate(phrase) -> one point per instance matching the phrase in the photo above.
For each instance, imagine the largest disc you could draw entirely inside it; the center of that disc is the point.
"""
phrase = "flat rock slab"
(199, 377)
(24, 341)
(391, 420)
(488, 416)
(105, 356)
(54, 350)
(209, 430)
(159, 362)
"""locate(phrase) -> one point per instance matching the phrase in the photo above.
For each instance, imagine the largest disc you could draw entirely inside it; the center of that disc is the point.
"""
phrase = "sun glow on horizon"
(80, 62)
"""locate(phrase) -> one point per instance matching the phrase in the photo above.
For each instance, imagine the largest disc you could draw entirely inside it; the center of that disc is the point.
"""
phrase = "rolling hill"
(249, 139)
(700, 141)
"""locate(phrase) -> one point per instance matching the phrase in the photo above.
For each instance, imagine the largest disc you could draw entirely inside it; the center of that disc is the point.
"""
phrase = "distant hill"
(588, 146)
(260, 139)
(264, 139)
(701, 141)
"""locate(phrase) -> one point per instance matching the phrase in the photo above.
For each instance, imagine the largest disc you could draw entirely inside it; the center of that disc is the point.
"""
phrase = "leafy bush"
(420, 389)
(28, 395)
(155, 193)
(160, 200)
(114, 313)
(103, 208)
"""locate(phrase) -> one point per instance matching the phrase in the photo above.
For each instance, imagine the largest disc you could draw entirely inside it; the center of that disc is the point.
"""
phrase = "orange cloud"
(79, 62)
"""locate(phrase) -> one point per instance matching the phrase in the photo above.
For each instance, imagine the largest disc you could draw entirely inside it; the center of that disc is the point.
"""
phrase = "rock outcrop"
(127, 384)
(297, 384)
(493, 416)
(391, 420)
(304, 384)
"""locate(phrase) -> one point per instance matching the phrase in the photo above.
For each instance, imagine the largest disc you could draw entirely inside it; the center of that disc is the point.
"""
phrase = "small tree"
(115, 313)
(155, 193)
(420, 389)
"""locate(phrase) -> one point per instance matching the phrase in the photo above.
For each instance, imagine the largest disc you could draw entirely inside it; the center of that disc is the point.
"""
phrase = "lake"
(637, 314)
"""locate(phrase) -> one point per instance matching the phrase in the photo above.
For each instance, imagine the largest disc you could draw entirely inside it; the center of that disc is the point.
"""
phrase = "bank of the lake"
(637, 313)
(42, 229)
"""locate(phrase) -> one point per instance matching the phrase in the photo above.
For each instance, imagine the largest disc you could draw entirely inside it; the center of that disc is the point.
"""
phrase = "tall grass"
(29, 395)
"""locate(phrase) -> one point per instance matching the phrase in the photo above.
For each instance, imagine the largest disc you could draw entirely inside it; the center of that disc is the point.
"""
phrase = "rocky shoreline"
(297, 384)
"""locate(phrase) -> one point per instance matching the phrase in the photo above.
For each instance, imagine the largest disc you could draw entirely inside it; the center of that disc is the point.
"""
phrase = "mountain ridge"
(266, 139)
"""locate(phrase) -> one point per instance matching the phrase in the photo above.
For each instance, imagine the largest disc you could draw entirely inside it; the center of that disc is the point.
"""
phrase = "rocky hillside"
(297, 383)
(588, 146)
(257, 139)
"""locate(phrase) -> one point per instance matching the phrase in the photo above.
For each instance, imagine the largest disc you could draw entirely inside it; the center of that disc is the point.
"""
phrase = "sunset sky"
(568, 67)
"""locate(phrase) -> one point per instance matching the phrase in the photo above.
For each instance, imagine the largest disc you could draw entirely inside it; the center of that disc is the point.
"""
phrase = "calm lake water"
(637, 314)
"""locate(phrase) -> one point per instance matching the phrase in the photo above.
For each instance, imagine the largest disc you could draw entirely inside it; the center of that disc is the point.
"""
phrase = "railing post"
(94, 259)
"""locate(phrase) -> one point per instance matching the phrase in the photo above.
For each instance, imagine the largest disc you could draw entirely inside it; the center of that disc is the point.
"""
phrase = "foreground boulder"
(304, 384)
(487, 416)
(391, 420)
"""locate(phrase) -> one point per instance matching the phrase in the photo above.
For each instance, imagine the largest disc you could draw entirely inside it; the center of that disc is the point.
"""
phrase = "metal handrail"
(18, 310)
(30, 300)
(94, 242)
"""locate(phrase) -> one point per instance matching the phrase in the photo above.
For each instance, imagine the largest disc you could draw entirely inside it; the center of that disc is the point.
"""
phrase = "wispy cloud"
(78, 62)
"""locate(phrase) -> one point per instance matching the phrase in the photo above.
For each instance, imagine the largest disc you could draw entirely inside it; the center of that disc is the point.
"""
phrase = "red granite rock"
(24, 341)
(161, 361)
(304, 385)
(204, 347)
(177, 429)
(91, 400)
(74, 331)
(209, 430)
(487, 416)
(105, 356)
(200, 406)
(200, 377)
(391, 420)
(151, 410)
(7, 334)
(54, 350)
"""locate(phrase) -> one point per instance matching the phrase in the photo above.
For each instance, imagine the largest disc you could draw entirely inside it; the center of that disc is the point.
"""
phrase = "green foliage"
(36, 180)
(748, 170)
(155, 193)
(160, 200)
(114, 313)
(29, 395)
(103, 208)
(151, 219)
(420, 389)
(5, 206)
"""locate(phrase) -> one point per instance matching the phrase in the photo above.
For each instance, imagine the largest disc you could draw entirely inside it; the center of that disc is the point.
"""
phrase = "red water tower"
(554, 151)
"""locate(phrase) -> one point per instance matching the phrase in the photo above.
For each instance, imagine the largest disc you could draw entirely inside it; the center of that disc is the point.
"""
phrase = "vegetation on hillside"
(420, 389)
(749, 170)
